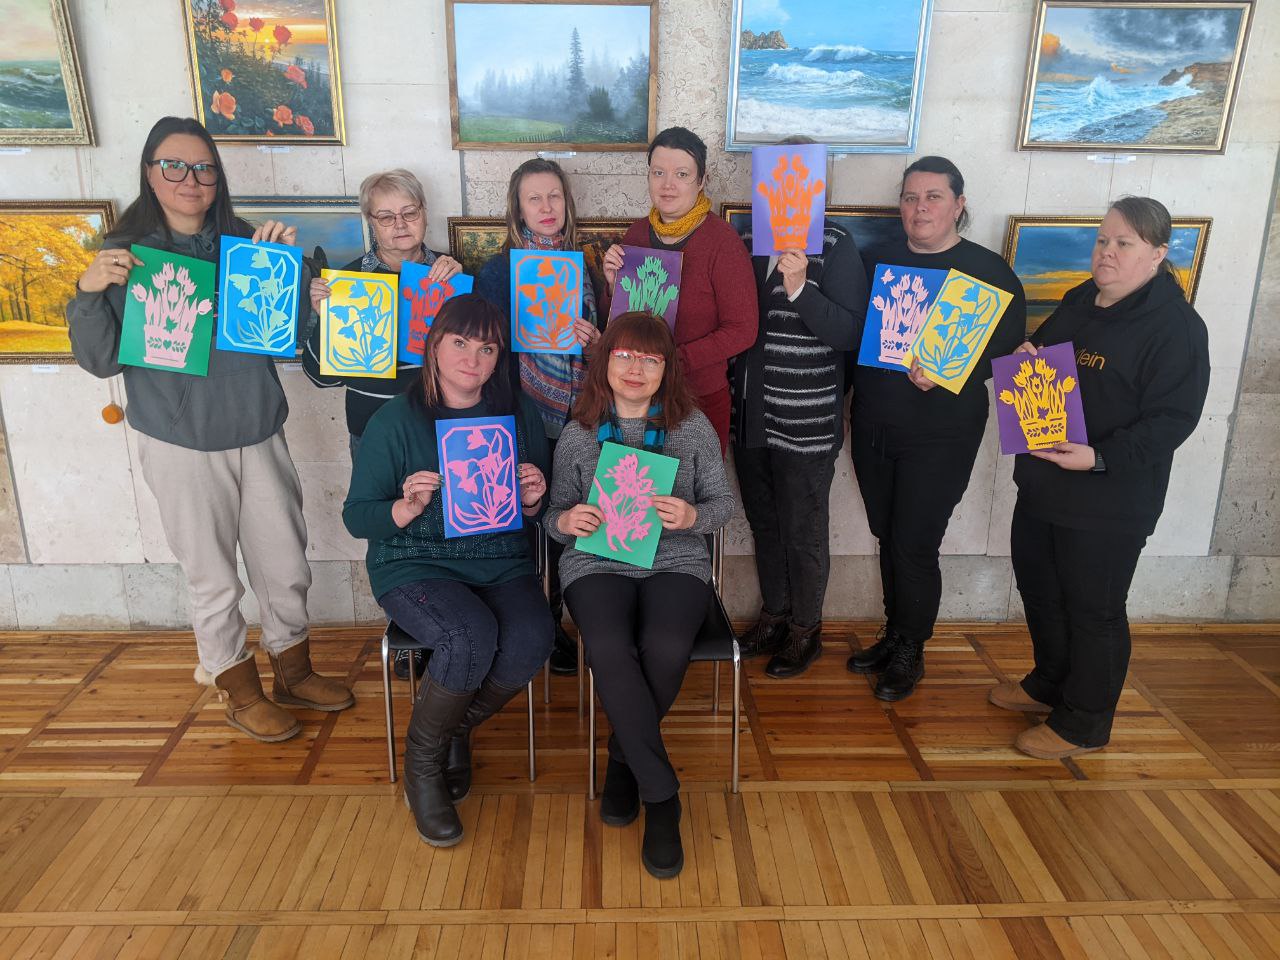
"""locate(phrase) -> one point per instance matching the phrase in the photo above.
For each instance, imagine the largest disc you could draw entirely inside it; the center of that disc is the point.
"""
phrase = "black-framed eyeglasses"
(175, 171)
(389, 219)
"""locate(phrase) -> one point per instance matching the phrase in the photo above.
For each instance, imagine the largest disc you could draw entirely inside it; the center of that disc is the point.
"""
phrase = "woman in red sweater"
(717, 317)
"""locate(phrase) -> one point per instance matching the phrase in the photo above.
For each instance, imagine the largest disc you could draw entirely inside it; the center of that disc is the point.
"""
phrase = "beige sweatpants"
(209, 503)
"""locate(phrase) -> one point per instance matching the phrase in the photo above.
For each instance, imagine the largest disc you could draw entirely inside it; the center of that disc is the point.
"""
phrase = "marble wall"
(80, 540)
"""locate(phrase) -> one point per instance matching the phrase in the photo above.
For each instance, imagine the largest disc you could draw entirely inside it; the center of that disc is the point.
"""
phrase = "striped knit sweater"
(789, 387)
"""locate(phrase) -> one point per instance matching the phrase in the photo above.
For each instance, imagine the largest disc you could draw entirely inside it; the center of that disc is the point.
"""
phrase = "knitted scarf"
(685, 225)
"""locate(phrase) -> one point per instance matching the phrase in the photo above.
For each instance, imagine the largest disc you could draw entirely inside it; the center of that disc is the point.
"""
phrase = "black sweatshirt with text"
(1144, 373)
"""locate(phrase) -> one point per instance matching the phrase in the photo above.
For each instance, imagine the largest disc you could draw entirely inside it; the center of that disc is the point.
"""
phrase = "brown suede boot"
(248, 709)
(297, 684)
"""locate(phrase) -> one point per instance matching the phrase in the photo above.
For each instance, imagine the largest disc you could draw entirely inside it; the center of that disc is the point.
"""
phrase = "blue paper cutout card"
(546, 297)
(258, 291)
(479, 486)
(900, 302)
(420, 301)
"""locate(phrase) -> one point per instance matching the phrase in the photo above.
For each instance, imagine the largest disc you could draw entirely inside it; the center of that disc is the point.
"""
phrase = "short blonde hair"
(398, 180)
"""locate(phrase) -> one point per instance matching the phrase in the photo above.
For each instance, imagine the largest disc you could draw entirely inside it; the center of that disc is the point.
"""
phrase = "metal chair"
(716, 643)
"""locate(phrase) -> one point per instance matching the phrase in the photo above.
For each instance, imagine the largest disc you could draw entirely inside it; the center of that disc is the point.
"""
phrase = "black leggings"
(637, 632)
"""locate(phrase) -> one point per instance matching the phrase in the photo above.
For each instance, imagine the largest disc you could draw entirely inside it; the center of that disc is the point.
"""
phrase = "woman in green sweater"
(473, 600)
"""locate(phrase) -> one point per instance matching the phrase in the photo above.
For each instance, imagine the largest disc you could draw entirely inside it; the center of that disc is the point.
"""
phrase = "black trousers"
(786, 499)
(637, 632)
(910, 485)
(1074, 586)
(554, 549)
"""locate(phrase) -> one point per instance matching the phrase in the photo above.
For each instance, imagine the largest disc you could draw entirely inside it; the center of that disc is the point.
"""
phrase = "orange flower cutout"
(256, 24)
(224, 104)
(227, 76)
(282, 34)
(283, 116)
(305, 125)
(295, 74)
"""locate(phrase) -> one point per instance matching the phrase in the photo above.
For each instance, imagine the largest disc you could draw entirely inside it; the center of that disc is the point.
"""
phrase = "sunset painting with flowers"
(267, 70)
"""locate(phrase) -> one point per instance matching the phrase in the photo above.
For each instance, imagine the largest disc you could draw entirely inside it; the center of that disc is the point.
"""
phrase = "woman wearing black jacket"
(914, 444)
(1084, 512)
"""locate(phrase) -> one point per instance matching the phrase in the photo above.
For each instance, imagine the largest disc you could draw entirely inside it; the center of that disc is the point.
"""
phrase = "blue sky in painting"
(874, 24)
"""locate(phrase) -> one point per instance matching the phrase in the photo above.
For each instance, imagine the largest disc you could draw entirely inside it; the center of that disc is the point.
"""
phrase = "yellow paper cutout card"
(358, 325)
(957, 329)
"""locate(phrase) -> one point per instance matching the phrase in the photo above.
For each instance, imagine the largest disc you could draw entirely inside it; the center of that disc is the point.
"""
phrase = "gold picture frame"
(1121, 92)
(473, 240)
(1051, 255)
(520, 132)
(242, 87)
(79, 131)
(39, 267)
(871, 226)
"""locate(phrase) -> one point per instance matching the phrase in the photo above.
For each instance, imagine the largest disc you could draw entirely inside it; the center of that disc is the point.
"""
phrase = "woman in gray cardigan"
(638, 625)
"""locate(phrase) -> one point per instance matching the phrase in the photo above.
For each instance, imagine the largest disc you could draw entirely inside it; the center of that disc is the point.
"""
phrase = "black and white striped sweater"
(789, 387)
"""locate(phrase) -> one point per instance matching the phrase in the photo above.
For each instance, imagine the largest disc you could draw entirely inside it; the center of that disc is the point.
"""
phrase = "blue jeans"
(503, 632)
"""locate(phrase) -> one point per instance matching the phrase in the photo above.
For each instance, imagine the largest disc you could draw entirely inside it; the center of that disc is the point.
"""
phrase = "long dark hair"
(643, 333)
(472, 316)
(145, 216)
(514, 239)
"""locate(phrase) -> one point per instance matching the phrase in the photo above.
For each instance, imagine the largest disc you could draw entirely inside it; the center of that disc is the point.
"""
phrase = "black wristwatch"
(1099, 465)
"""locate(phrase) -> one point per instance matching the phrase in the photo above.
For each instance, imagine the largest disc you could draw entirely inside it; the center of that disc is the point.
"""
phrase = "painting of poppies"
(266, 72)
(42, 97)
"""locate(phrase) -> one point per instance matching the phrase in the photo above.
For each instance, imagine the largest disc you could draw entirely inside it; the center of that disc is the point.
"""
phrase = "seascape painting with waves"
(1134, 76)
(41, 92)
(805, 67)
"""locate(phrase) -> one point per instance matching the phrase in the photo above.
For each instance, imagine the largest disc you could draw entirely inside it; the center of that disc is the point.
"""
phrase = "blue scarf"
(655, 435)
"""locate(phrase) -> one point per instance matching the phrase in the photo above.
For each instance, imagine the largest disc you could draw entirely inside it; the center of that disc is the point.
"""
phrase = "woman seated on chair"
(638, 625)
(473, 600)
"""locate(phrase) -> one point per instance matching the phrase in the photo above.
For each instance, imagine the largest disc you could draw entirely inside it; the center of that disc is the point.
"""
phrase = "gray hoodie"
(238, 404)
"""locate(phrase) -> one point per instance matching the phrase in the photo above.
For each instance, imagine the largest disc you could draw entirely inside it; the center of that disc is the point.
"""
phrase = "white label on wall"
(268, 149)
(45, 368)
(556, 154)
(14, 150)
(1113, 157)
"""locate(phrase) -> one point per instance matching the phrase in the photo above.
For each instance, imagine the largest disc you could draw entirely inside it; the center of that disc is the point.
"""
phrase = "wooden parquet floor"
(135, 823)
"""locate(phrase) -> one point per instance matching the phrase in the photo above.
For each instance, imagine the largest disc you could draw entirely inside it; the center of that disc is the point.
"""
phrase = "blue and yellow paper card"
(957, 329)
(358, 325)
(546, 297)
(899, 305)
(259, 287)
(420, 301)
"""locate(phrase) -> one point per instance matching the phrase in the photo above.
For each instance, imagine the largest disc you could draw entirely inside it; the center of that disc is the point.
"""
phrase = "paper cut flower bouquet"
(361, 321)
(903, 310)
(265, 318)
(546, 298)
(625, 482)
(172, 310)
(480, 481)
(626, 508)
(959, 335)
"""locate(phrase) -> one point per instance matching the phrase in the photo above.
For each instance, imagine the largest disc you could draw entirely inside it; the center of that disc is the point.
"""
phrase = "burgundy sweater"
(718, 314)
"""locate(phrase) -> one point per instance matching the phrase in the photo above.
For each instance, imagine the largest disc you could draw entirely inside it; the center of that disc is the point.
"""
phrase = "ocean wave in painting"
(32, 96)
(1102, 110)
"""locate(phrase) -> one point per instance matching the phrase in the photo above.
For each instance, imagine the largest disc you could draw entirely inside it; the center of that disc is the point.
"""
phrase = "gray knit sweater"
(700, 480)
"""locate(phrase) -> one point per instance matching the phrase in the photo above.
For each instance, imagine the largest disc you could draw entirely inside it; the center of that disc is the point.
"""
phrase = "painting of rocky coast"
(1134, 76)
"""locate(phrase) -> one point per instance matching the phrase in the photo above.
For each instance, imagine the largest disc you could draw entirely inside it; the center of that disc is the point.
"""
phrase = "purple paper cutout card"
(1038, 399)
(420, 301)
(650, 281)
(899, 304)
(479, 487)
(788, 198)
(546, 297)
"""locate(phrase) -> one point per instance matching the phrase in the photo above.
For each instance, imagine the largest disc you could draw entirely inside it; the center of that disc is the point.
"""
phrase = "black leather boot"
(875, 657)
(765, 636)
(904, 671)
(620, 799)
(662, 853)
(489, 699)
(436, 716)
(564, 653)
(804, 645)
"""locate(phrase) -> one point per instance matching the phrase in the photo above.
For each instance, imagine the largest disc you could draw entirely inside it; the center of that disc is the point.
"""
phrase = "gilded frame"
(1038, 309)
(287, 208)
(541, 145)
(104, 208)
(81, 131)
(473, 240)
(1036, 51)
(852, 217)
(278, 137)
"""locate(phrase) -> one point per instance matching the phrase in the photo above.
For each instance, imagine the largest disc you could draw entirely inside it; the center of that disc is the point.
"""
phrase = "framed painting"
(42, 98)
(473, 240)
(266, 73)
(1051, 255)
(809, 67)
(871, 227)
(44, 247)
(543, 75)
(334, 224)
(1133, 77)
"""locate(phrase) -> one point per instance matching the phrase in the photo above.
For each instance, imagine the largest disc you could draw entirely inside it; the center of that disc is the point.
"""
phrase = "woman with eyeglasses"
(638, 625)
(395, 205)
(212, 448)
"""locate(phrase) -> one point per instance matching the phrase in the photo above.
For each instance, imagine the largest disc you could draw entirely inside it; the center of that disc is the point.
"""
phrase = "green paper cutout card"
(168, 314)
(624, 486)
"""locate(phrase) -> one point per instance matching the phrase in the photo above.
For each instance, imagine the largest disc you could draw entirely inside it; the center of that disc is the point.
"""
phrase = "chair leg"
(386, 696)
(546, 682)
(533, 763)
(715, 687)
(737, 709)
(581, 664)
(591, 735)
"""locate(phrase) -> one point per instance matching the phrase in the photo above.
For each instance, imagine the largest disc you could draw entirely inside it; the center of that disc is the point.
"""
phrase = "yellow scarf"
(686, 224)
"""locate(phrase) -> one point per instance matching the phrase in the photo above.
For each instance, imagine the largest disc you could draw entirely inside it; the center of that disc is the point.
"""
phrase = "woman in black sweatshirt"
(1084, 512)
(913, 443)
